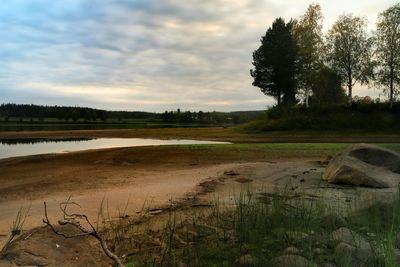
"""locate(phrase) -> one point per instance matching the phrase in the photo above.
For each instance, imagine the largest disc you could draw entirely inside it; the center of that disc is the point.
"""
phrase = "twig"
(71, 219)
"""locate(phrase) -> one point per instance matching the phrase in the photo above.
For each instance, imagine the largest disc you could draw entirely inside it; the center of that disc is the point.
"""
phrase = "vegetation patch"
(266, 230)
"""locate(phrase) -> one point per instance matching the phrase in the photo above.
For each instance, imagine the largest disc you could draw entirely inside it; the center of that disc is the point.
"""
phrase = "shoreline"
(217, 134)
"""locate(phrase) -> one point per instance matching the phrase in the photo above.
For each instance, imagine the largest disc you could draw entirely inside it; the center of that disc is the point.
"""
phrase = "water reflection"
(15, 147)
(16, 141)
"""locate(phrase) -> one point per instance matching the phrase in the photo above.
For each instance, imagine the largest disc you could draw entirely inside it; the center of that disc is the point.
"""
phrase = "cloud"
(142, 55)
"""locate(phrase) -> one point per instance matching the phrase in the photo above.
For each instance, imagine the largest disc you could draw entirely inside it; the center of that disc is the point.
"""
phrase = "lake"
(16, 147)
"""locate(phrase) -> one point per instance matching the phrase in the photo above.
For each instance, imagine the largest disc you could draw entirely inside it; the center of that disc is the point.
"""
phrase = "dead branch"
(73, 219)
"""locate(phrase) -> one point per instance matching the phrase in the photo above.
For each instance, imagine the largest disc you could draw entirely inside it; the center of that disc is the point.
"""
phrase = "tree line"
(214, 117)
(65, 113)
(297, 62)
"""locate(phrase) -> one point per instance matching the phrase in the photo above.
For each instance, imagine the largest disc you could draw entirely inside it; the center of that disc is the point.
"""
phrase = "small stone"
(292, 250)
(345, 235)
(296, 236)
(348, 255)
(247, 260)
(318, 251)
(397, 255)
(231, 173)
(292, 261)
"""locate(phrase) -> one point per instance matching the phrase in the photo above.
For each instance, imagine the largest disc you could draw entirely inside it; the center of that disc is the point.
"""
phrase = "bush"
(360, 116)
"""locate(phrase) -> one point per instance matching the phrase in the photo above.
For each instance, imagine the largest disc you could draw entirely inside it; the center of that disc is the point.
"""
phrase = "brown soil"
(41, 247)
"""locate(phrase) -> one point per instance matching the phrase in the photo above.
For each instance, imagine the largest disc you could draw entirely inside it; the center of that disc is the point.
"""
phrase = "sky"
(149, 55)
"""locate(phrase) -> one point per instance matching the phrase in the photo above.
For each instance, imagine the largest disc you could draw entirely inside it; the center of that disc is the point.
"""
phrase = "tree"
(308, 35)
(275, 63)
(388, 50)
(327, 88)
(350, 51)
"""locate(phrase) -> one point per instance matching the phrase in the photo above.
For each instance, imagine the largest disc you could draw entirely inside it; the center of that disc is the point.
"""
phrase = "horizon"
(148, 56)
(120, 110)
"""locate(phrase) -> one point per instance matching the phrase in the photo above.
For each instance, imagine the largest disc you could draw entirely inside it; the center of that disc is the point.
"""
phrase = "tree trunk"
(279, 99)
(391, 89)
(350, 87)
(307, 105)
(391, 94)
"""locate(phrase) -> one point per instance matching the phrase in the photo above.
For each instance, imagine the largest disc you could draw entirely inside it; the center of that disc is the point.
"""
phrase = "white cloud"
(144, 55)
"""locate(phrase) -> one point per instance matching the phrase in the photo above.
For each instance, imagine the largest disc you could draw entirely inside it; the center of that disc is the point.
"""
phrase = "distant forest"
(39, 113)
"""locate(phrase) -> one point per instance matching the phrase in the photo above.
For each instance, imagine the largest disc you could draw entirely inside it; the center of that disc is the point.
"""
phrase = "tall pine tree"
(275, 63)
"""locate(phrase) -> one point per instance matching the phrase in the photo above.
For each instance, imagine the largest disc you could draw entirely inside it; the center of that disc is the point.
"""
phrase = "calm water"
(34, 146)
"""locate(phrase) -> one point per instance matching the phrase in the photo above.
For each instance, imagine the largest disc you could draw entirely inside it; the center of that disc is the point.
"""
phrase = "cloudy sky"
(151, 55)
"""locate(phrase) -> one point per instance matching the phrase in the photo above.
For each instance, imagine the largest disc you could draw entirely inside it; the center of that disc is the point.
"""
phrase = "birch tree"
(350, 52)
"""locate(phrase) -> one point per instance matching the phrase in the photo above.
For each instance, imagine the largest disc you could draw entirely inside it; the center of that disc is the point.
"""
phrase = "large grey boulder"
(364, 165)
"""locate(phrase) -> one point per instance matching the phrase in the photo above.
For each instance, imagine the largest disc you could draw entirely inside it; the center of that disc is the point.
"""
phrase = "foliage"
(350, 51)
(359, 116)
(308, 35)
(275, 63)
(388, 50)
(327, 88)
(17, 116)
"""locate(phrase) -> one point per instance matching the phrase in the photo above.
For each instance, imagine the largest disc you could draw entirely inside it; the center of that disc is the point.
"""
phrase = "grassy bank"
(358, 117)
(261, 230)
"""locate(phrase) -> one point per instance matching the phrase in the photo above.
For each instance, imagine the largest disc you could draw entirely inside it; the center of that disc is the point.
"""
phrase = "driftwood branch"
(74, 220)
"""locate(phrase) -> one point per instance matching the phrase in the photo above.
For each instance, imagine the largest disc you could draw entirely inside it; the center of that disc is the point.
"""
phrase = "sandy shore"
(141, 176)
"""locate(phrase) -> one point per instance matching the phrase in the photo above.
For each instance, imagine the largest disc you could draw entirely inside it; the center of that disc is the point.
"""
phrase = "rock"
(292, 250)
(365, 165)
(231, 173)
(318, 251)
(334, 221)
(292, 261)
(348, 255)
(397, 255)
(247, 260)
(327, 160)
(296, 236)
(345, 235)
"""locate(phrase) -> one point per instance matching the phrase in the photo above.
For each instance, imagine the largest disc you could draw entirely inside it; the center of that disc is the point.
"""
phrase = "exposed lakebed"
(16, 147)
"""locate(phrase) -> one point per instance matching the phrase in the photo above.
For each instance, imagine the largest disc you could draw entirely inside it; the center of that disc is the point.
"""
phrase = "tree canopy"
(350, 51)
(309, 38)
(275, 63)
(388, 50)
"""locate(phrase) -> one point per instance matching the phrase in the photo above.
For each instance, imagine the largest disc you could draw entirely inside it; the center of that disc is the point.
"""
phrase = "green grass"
(282, 149)
(263, 226)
